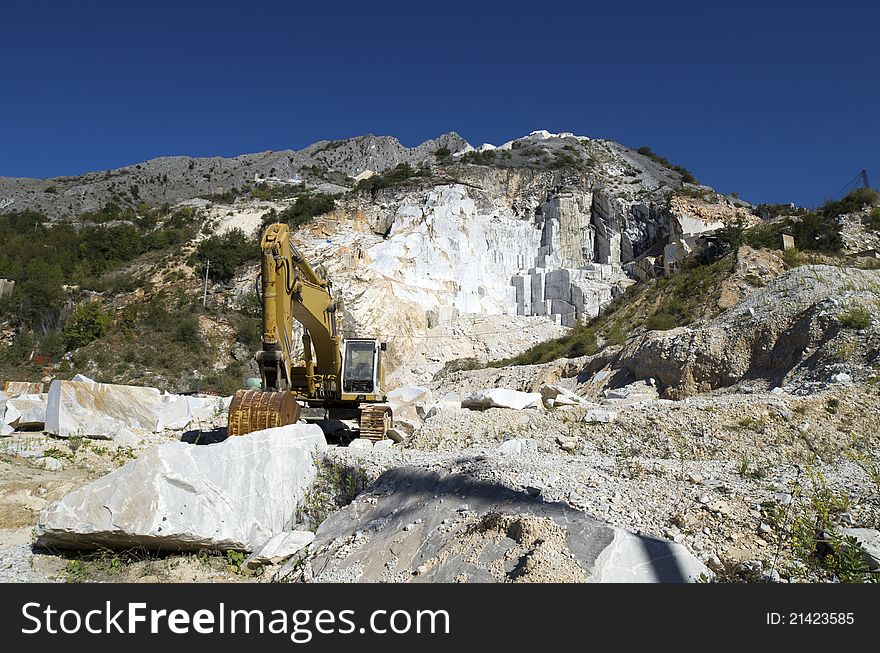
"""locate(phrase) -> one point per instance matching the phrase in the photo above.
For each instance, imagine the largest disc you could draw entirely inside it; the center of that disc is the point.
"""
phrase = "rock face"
(791, 324)
(416, 526)
(501, 398)
(176, 178)
(465, 260)
(237, 494)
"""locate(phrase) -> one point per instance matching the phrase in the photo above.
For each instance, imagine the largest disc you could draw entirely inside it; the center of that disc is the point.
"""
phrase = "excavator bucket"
(255, 410)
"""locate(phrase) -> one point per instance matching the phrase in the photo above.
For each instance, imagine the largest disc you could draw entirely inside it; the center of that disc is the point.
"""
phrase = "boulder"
(102, 409)
(414, 525)
(869, 540)
(31, 410)
(207, 409)
(175, 412)
(517, 446)
(49, 463)
(9, 414)
(182, 411)
(554, 395)
(175, 496)
(634, 394)
(407, 394)
(449, 401)
(395, 435)
(501, 398)
(279, 548)
(15, 388)
(600, 416)
(408, 402)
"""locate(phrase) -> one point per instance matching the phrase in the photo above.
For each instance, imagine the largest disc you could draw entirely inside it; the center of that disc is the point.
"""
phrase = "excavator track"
(375, 420)
(255, 410)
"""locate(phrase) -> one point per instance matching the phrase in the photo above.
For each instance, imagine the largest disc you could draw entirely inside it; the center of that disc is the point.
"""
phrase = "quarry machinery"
(345, 377)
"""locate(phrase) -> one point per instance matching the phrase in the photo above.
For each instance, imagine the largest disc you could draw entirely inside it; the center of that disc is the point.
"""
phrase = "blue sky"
(775, 100)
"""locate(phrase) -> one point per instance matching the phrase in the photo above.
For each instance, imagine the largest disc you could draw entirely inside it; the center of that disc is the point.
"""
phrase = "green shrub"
(686, 176)
(226, 252)
(250, 332)
(854, 201)
(484, 158)
(398, 176)
(792, 258)
(772, 211)
(186, 329)
(87, 323)
(817, 231)
(733, 234)
(857, 318)
(39, 294)
(872, 220)
(306, 208)
(821, 552)
(264, 191)
(661, 322)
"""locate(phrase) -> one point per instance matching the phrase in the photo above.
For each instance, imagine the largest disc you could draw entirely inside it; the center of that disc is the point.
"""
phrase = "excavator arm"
(292, 290)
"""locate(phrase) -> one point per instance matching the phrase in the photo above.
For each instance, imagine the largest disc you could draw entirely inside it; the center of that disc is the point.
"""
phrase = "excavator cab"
(362, 370)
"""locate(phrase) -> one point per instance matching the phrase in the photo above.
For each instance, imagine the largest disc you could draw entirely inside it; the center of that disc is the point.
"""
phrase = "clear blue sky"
(776, 100)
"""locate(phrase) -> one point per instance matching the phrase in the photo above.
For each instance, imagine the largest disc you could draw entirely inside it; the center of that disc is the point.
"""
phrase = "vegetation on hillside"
(484, 158)
(225, 252)
(813, 231)
(400, 175)
(160, 342)
(872, 220)
(42, 256)
(687, 176)
(61, 270)
(656, 304)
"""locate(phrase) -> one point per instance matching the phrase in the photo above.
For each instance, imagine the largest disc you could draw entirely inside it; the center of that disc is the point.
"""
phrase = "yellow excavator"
(344, 377)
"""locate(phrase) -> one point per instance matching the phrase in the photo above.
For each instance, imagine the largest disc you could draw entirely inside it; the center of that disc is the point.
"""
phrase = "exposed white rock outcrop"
(236, 494)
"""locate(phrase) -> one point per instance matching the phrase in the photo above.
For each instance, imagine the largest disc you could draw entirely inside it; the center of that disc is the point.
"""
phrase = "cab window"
(359, 361)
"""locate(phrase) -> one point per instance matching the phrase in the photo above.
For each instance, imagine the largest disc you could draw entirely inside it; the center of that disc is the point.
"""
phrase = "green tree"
(87, 323)
(40, 294)
(226, 252)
